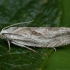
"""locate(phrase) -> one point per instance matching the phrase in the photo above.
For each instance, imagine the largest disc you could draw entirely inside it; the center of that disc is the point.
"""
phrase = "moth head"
(2, 34)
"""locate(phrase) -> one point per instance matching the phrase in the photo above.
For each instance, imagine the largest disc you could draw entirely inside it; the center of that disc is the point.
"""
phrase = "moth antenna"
(16, 24)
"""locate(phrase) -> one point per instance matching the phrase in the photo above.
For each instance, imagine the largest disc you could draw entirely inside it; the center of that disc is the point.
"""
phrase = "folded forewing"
(39, 36)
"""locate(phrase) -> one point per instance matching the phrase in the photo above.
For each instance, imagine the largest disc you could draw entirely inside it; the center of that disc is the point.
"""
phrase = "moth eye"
(2, 33)
(2, 36)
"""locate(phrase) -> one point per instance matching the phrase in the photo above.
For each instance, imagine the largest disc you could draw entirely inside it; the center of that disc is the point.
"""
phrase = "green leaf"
(44, 13)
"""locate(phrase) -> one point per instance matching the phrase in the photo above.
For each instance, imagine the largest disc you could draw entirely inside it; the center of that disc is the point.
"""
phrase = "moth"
(43, 37)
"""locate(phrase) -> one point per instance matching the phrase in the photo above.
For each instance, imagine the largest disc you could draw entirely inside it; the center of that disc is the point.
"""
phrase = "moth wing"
(40, 36)
(29, 35)
(41, 32)
(55, 42)
(59, 41)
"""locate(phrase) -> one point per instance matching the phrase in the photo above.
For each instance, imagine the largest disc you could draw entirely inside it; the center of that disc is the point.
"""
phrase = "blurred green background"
(46, 13)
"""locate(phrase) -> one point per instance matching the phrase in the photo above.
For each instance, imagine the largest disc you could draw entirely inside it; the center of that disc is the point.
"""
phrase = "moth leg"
(8, 45)
(54, 49)
(30, 49)
(22, 45)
